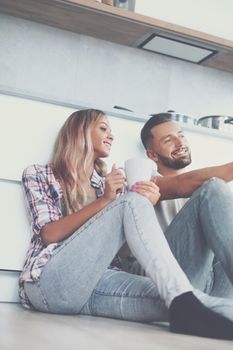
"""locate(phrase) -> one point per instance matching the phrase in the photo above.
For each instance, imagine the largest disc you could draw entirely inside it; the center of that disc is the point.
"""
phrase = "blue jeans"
(76, 279)
(77, 272)
(201, 239)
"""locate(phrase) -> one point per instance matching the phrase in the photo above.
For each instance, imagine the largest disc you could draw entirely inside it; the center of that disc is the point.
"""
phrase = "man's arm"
(183, 185)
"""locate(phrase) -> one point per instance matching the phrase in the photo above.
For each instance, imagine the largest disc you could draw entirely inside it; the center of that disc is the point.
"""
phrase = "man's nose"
(178, 142)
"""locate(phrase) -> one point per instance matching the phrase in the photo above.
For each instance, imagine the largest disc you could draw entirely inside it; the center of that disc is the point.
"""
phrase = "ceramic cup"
(138, 169)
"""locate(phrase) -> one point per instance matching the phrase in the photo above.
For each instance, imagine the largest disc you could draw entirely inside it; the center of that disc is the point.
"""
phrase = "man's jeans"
(76, 279)
(201, 239)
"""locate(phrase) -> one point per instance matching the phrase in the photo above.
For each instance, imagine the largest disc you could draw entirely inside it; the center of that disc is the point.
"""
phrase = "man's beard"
(175, 163)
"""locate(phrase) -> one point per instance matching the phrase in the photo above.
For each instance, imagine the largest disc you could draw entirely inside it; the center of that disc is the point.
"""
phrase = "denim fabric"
(201, 238)
(70, 277)
(220, 285)
(223, 306)
(77, 281)
(126, 296)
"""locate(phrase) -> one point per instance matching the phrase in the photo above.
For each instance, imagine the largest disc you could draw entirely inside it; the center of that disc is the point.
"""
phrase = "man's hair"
(155, 119)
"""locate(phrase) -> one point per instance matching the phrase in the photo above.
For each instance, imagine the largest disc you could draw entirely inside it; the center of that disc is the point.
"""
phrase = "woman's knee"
(136, 199)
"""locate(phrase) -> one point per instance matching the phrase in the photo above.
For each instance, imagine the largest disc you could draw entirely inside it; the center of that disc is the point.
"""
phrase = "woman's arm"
(183, 185)
(47, 222)
(61, 229)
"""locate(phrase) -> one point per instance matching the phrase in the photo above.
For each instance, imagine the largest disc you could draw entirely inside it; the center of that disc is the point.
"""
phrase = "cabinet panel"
(114, 24)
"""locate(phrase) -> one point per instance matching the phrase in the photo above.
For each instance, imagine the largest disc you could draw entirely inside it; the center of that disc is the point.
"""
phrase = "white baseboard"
(9, 286)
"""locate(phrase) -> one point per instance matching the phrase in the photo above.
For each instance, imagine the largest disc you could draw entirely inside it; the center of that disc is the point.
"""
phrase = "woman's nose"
(110, 136)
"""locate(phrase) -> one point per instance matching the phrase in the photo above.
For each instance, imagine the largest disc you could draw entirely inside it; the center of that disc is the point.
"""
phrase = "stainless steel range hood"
(177, 48)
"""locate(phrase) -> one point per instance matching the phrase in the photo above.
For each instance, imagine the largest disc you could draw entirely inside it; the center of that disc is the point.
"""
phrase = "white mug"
(138, 169)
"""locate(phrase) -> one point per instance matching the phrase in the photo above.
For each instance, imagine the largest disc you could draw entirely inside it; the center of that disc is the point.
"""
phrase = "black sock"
(189, 316)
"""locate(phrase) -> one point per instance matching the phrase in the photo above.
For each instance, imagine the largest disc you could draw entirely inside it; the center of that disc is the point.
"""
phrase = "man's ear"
(152, 155)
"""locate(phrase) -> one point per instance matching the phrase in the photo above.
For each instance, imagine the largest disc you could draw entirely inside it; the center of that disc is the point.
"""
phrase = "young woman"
(80, 219)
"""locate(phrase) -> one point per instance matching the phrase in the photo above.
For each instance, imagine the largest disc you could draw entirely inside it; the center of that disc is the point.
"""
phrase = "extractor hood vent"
(177, 49)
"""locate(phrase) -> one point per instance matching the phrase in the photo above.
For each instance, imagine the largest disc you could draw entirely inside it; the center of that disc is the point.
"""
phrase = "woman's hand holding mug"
(114, 183)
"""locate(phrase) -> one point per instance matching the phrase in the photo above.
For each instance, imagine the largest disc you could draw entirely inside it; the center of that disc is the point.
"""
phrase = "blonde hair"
(73, 156)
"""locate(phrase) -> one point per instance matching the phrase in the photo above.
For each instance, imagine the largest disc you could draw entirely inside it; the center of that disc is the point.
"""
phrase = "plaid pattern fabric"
(43, 196)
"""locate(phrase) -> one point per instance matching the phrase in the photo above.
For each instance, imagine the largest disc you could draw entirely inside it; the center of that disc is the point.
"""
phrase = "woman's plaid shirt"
(43, 196)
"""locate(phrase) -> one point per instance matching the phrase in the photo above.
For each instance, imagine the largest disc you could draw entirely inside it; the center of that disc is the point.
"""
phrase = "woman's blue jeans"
(76, 279)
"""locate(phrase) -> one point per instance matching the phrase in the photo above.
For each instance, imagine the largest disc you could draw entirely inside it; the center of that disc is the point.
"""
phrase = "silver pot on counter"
(220, 122)
(182, 118)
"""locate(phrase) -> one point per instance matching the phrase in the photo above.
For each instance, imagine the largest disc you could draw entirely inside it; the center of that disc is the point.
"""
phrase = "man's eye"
(167, 140)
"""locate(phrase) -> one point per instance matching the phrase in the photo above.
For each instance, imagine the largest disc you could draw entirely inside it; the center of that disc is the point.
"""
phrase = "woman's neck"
(90, 170)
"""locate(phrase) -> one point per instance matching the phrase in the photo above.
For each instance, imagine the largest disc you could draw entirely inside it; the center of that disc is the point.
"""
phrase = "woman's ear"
(152, 155)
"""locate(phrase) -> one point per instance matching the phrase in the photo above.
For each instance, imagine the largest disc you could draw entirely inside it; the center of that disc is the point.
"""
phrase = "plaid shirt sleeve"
(42, 193)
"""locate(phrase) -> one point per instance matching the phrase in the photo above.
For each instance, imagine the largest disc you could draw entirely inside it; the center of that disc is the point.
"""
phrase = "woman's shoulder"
(36, 170)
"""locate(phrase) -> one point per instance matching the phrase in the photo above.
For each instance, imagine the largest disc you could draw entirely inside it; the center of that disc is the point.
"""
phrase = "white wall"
(210, 16)
(28, 131)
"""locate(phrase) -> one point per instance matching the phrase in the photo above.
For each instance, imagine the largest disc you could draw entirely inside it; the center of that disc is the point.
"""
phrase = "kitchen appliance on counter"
(220, 122)
(182, 118)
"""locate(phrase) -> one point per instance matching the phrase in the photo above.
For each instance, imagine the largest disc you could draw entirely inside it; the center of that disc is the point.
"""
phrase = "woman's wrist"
(105, 201)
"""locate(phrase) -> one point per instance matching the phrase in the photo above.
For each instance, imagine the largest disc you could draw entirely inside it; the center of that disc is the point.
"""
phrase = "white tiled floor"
(28, 330)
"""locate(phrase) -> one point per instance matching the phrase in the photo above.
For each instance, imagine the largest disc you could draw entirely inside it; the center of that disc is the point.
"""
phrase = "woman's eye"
(103, 129)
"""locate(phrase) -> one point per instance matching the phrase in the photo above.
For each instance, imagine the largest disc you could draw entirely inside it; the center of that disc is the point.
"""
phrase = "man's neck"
(165, 171)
